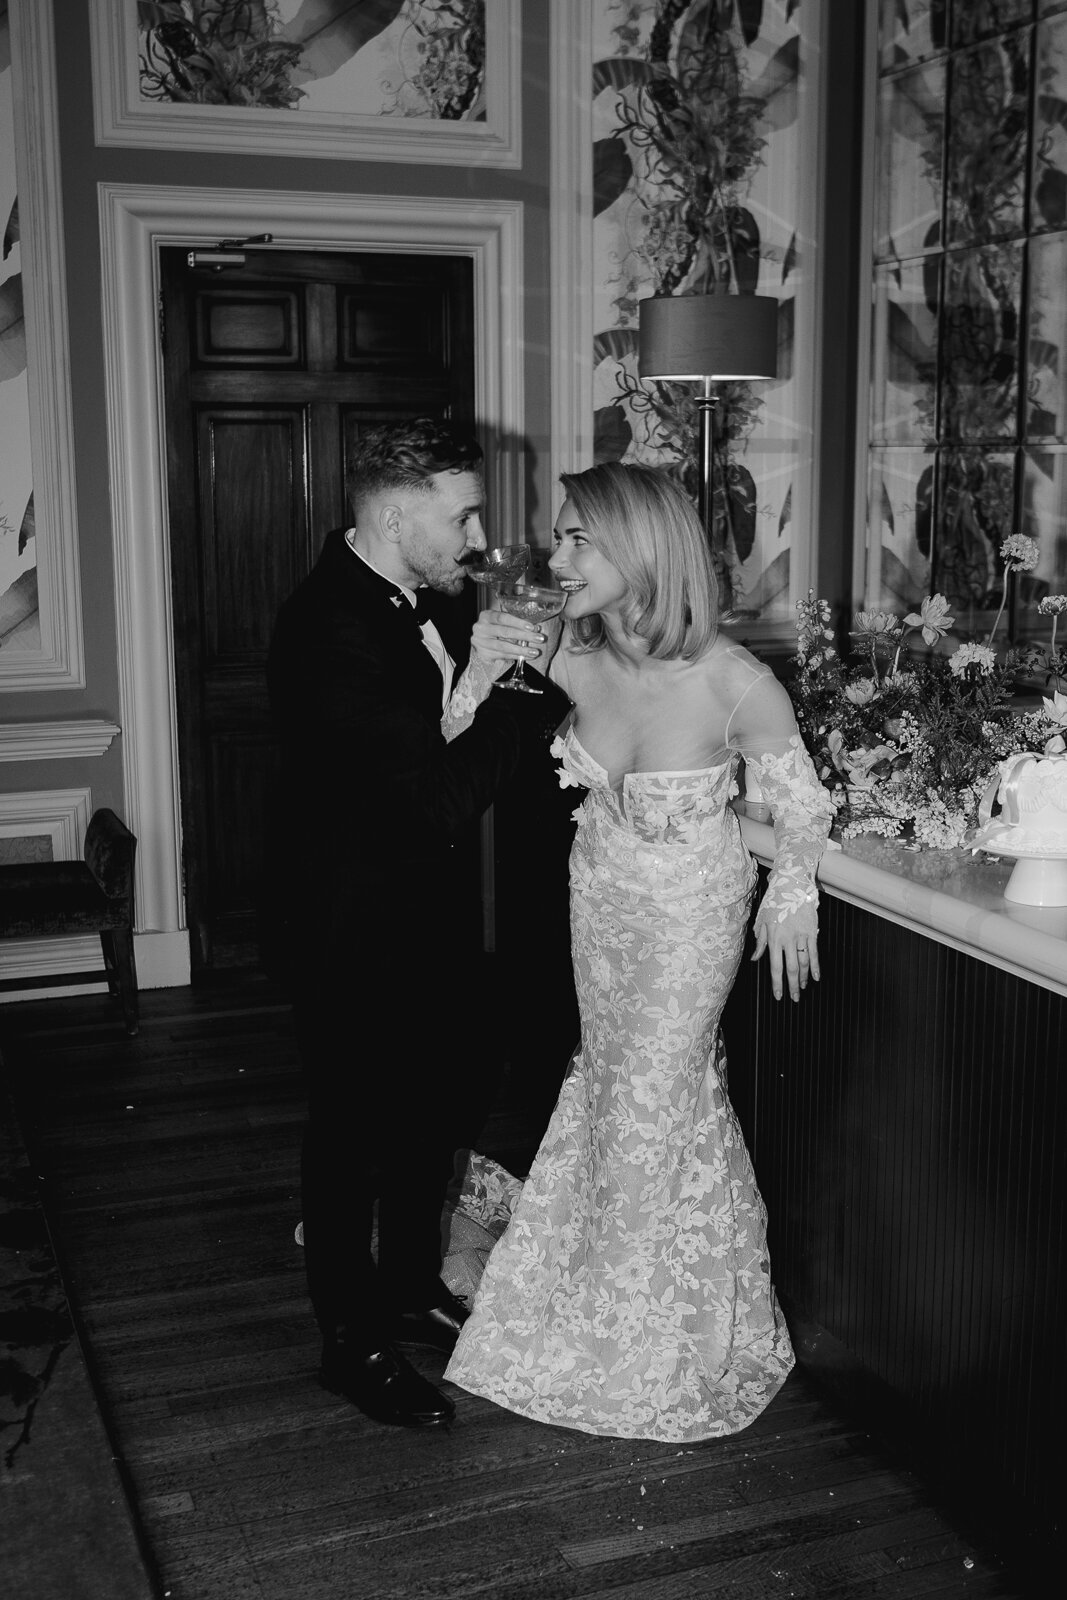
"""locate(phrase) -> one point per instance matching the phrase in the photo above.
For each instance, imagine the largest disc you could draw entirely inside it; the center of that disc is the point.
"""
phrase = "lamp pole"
(706, 403)
(705, 339)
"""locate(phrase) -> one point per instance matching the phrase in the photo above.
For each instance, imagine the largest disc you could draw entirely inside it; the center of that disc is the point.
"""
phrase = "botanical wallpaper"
(696, 183)
(392, 58)
(19, 616)
(968, 440)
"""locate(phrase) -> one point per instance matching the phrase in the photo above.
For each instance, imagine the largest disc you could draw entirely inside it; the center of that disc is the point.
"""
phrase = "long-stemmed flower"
(873, 626)
(815, 637)
(1019, 554)
(1053, 605)
(932, 617)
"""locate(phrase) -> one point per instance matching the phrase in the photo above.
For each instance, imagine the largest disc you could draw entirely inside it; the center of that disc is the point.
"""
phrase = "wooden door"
(270, 373)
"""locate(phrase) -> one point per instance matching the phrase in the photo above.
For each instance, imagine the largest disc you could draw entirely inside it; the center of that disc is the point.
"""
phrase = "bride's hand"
(792, 947)
(498, 640)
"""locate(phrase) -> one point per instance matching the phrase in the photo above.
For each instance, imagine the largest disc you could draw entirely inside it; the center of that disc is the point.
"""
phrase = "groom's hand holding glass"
(500, 639)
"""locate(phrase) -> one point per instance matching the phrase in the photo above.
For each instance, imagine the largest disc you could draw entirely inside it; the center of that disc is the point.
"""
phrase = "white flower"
(932, 617)
(1019, 553)
(859, 764)
(1056, 706)
(1054, 746)
(904, 682)
(876, 622)
(972, 655)
(861, 693)
(1053, 605)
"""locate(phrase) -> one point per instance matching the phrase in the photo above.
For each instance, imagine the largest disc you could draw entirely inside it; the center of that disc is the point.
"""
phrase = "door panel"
(243, 769)
(239, 327)
(270, 374)
(253, 500)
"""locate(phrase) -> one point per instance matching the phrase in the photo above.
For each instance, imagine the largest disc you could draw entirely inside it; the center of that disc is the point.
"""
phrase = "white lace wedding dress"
(630, 1295)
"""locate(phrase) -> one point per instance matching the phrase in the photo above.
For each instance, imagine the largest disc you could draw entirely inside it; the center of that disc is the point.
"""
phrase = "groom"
(361, 665)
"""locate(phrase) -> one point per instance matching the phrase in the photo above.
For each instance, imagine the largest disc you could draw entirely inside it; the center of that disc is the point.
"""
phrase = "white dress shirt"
(430, 636)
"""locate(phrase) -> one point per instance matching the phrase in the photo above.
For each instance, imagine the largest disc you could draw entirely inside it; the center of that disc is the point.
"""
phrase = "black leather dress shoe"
(386, 1387)
(437, 1326)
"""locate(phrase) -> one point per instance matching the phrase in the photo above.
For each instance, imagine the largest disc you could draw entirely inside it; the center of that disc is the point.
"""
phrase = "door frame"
(135, 222)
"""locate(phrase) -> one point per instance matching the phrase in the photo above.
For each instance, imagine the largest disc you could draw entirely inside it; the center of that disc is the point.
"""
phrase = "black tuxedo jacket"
(372, 798)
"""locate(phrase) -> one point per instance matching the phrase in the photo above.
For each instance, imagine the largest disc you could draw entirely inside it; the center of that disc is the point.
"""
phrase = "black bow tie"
(419, 612)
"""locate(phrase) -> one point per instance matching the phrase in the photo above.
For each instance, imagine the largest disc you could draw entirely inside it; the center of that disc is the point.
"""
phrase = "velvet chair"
(55, 899)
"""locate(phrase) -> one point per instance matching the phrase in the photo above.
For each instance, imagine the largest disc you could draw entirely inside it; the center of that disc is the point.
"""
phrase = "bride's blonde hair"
(645, 525)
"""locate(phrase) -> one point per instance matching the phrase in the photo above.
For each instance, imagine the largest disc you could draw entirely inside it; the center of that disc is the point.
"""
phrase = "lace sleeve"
(763, 728)
(471, 688)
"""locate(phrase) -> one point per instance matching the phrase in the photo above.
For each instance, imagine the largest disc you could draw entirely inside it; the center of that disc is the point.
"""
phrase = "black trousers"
(388, 1106)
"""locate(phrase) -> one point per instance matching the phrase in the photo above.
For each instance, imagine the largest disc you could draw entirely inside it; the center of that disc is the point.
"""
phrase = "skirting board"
(162, 963)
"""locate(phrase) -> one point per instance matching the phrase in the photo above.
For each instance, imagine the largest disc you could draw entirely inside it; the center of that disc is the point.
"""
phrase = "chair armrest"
(109, 854)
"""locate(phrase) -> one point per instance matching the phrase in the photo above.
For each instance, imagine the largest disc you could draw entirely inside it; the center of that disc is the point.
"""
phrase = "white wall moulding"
(337, 127)
(571, 202)
(57, 662)
(866, 552)
(41, 958)
(135, 222)
(61, 814)
(54, 741)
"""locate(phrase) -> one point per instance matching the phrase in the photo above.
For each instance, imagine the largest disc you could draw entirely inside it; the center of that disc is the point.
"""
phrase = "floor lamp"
(706, 339)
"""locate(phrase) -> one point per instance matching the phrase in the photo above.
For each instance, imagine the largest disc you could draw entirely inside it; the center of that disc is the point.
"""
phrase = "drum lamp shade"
(685, 338)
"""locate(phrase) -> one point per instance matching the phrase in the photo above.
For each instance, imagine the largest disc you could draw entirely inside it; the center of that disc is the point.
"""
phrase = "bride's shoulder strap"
(761, 705)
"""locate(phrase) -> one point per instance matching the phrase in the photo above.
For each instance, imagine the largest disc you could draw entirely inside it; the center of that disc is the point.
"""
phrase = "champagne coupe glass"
(535, 603)
(499, 564)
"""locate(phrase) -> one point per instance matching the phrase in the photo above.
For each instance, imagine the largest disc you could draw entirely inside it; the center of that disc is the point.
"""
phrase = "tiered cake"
(1032, 795)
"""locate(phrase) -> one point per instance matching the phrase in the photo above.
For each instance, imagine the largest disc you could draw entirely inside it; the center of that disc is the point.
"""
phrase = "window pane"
(900, 504)
(1044, 517)
(975, 514)
(1049, 204)
(912, 32)
(904, 355)
(980, 343)
(1046, 385)
(985, 173)
(762, 586)
(911, 112)
(978, 19)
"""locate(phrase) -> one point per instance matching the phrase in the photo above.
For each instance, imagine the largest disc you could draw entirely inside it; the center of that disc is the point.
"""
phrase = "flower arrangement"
(907, 739)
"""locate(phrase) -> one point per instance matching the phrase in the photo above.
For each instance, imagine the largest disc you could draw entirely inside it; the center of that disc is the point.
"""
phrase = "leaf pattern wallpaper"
(968, 413)
(19, 615)
(697, 172)
(384, 58)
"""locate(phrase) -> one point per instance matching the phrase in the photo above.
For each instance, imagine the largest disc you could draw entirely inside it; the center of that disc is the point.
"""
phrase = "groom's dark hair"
(407, 455)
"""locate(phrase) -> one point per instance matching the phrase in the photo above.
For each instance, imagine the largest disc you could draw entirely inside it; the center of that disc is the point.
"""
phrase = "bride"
(630, 1293)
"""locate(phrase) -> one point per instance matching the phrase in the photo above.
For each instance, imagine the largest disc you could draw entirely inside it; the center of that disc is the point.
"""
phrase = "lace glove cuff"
(471, 687)
(802, 812)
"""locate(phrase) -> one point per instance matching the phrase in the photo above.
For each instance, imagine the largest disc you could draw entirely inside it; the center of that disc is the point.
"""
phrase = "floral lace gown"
(631, 1294)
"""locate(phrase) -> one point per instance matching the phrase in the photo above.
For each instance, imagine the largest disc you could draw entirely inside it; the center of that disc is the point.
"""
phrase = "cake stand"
(1039, 879)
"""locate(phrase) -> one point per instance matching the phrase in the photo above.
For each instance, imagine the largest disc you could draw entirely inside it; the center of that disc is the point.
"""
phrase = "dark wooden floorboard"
(170, 1166)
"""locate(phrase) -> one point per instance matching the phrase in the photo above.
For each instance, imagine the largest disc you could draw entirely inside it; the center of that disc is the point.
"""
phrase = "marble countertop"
(950, 895)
